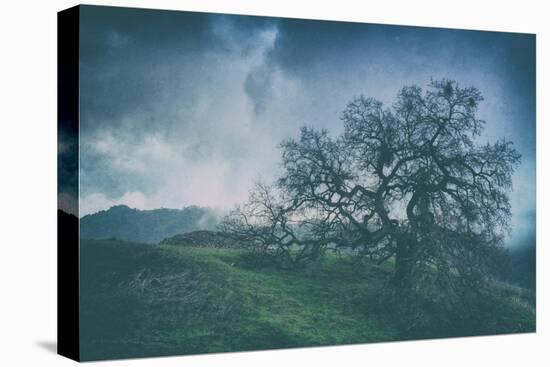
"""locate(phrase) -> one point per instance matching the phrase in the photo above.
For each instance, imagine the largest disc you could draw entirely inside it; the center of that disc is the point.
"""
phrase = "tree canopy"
(411, 182)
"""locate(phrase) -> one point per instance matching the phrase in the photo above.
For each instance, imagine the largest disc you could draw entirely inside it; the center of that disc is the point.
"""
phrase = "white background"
(28, 183)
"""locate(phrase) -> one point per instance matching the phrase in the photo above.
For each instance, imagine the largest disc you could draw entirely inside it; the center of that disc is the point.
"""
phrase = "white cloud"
(98, 201)
(67, 203)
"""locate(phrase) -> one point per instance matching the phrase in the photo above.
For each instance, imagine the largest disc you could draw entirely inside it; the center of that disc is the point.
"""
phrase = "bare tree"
(410, 182)
(271, 225)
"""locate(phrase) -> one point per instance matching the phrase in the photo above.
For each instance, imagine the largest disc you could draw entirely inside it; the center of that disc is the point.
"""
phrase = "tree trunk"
(402, 276)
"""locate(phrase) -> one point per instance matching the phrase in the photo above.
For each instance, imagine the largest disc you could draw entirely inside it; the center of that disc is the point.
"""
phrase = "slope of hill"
(141, 300)
(147, 226)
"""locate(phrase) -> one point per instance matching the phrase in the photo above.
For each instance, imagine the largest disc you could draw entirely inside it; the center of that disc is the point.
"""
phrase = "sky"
(182, 108)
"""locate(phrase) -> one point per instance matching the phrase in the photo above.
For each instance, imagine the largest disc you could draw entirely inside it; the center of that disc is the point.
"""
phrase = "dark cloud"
(67, 165)
(127, 59)
(309, 45)
(258, 86)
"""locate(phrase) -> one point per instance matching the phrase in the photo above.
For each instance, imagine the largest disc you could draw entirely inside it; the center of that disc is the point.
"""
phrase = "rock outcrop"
(212, 239)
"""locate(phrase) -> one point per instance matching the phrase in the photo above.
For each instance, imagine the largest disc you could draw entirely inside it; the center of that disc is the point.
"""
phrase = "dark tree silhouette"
(410, 182)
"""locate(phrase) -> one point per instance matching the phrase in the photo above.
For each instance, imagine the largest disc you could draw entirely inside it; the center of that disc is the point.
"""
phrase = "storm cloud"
(181, 108)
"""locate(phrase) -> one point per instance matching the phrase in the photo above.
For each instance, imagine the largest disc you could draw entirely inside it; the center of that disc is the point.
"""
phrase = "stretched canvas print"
(233, 183)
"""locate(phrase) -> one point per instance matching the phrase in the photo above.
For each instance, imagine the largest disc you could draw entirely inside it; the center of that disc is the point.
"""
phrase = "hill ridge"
(147, 226)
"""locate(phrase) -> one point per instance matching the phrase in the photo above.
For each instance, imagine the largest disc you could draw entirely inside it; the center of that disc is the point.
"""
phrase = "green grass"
(140, 300)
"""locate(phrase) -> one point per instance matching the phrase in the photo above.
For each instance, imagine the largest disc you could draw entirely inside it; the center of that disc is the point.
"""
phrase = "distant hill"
(64, 218)
(67, 229)
(146, 226)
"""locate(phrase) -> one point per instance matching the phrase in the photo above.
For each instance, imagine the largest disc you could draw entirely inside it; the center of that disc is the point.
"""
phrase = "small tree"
(409, 182)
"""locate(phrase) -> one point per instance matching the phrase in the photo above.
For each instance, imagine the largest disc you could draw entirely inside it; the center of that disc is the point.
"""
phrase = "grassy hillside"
(141, 300)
